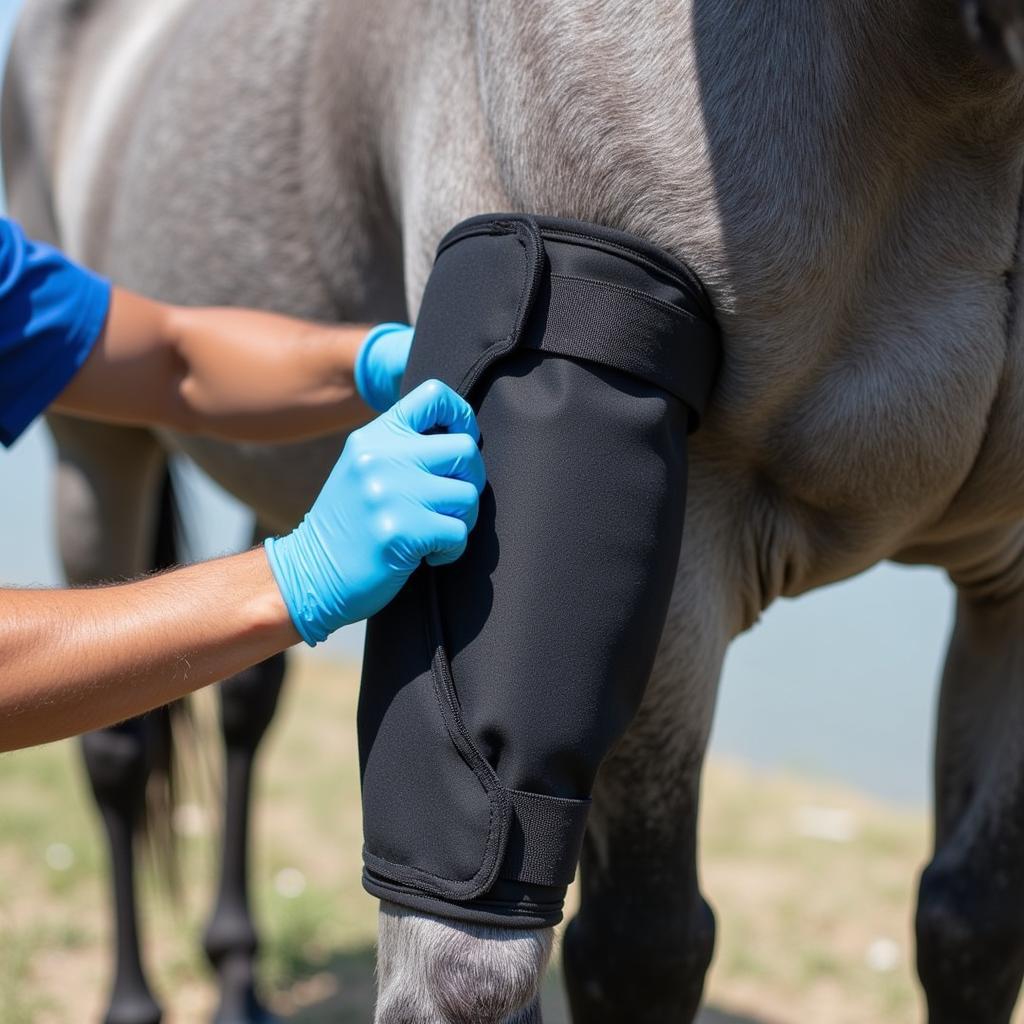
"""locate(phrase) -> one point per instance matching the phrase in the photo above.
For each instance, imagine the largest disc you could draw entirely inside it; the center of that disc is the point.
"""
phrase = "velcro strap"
(602, 322)
(545, 838)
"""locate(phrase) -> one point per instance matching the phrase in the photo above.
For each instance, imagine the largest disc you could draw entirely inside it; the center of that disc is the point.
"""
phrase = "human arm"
(401, 493)
(232, 373)
(75, 660)
(67, 338)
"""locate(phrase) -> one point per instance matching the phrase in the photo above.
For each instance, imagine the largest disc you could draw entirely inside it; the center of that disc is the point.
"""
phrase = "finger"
(392, 354)
(434, 405)
(448, 540)
(452, 455)
(450, 497)
(395, 348)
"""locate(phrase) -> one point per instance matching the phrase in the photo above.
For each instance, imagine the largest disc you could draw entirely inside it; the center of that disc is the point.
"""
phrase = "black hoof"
(139, 1009)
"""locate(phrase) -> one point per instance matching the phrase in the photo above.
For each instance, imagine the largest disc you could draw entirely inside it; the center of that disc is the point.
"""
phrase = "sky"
(839, 684)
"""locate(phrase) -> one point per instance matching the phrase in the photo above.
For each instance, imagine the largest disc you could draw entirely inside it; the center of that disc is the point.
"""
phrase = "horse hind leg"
(248, 701)
(118, 765)
(970, 916)
(107, 486)
(432, 971)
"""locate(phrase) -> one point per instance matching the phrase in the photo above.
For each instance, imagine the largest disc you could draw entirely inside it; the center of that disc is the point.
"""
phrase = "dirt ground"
(812, 886)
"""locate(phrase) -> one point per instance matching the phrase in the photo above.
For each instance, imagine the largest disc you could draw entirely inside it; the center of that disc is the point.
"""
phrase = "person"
(405, 488)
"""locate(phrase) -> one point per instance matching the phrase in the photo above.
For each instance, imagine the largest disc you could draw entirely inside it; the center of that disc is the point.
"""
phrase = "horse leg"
(247, 704)
(117, 761)
(641, 944)
(970, 917)
(431, 971)
(107, 481)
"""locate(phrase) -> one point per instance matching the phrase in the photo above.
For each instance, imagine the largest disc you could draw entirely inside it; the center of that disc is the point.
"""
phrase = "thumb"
(448, 541)
(434, 404)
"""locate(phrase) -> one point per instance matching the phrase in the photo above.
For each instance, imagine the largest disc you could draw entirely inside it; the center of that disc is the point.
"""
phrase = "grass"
(812, 886)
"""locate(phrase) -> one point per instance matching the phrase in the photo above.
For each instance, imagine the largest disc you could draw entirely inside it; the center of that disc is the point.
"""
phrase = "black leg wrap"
(493, 688)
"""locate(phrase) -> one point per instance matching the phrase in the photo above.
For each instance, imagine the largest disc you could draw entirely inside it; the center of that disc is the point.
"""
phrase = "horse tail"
(173, 730)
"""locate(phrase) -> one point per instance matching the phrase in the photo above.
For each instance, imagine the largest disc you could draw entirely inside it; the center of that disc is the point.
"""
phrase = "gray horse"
(846, 176)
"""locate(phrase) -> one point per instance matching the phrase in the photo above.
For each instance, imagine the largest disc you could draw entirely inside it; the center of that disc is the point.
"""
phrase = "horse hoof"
(140, 1009)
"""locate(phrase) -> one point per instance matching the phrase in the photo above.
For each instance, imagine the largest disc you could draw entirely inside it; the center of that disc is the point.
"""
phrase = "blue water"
(839, 684)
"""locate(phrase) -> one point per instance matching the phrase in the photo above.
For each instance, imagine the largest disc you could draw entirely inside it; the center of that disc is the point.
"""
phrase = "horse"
(846, 179)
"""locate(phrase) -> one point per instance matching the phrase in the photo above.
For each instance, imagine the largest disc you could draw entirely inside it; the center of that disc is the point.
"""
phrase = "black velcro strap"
(632, 332)
(545, 838)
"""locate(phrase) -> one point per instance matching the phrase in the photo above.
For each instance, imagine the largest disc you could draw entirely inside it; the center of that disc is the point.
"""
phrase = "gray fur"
(846, 178)
(430, 970)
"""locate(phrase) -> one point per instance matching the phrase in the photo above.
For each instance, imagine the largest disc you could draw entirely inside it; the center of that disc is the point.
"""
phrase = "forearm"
(74, 660)
(236, 374)
(264, 377)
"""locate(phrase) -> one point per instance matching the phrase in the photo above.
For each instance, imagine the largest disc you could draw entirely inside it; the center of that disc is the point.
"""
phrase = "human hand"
(381, 363)
(396, 496)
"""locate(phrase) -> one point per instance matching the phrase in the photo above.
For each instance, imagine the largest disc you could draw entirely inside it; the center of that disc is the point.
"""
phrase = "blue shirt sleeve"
(51, 313)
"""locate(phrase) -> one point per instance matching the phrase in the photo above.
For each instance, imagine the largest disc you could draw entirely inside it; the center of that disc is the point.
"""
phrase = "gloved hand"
(380, 364)
(396, 496)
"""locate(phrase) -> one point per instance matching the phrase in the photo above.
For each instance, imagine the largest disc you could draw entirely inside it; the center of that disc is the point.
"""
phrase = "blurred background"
(814, 820)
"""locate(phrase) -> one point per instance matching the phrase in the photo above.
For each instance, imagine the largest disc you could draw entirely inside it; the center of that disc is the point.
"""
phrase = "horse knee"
(248, 701)
(442, 971)
(970, 948)
(118, 761)
(655, 974)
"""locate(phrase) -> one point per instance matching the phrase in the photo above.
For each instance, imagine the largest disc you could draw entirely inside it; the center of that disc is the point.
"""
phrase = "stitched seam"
(421, 874)
(688, 278)
(481, 770)
(503, 908)
(545, 796)
(495, 352)
(631, 292)
(474, 760)
(684, 277)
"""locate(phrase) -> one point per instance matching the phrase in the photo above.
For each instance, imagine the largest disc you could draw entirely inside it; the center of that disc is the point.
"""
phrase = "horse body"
(852, 207)
(847, 182)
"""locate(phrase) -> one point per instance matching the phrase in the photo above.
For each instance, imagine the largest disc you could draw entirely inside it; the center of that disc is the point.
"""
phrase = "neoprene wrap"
(493, 688)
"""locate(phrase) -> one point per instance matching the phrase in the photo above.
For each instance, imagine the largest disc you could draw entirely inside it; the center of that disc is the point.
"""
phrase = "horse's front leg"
(970, 917)
(248, 702)
(431, 970)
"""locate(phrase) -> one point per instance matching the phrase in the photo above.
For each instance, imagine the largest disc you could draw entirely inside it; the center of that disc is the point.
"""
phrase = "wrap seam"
(688, 279)
(495, 352)
(498, 800)
(502, 913)
(633, 293)
(681, 274)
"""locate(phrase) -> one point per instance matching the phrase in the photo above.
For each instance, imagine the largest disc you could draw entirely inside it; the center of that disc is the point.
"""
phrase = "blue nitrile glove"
(396, 496)
(380, 364)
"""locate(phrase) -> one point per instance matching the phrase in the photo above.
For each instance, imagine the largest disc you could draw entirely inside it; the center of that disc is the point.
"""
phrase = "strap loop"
(545, 838)
(632, 332)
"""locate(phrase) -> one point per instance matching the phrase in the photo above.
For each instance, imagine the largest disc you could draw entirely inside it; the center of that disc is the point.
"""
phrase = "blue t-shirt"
(51, 313)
